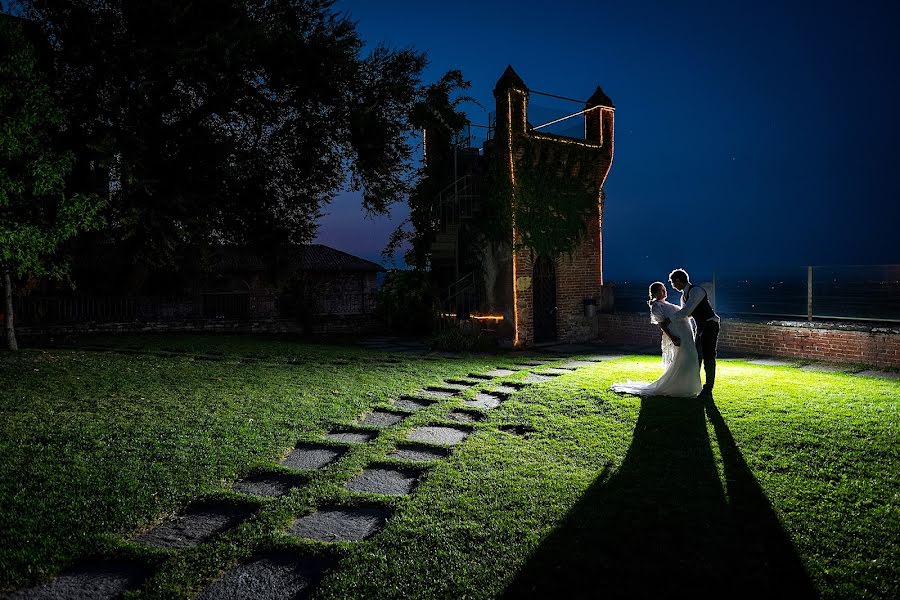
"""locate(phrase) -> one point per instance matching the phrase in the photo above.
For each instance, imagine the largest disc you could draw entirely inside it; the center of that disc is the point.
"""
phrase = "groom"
(694, 303)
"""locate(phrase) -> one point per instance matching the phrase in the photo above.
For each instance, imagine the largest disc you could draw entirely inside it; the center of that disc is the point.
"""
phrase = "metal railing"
(455, 202)
(829, 292)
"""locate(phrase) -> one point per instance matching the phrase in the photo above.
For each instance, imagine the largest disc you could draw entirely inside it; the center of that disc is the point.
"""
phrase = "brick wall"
(578, 278)
(842, 343)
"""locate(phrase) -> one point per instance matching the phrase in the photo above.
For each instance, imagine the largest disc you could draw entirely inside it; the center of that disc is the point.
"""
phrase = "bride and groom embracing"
(682, 350)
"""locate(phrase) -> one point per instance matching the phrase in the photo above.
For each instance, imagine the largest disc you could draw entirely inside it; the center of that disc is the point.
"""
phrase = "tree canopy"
(227, 121)
(37, 212)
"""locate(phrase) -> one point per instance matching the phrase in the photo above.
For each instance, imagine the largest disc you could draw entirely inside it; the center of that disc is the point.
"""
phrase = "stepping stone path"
(274, 576)
(312, 456)
(104, 580)
(197, 524)
(499, 373)
(555, 371)
(382, 418)
(438, 434)
(412, 404)
(602, 357)
(418, 453)
(465, 416)
(535, 378)
(482, 376)
(577, 364)
(484, 400)
(356, 436)
(461, 382)
(879, 374)
(341, 524)
(437, 392)
(268, 484)
(284, 575)
(390, 481)
(504, 388)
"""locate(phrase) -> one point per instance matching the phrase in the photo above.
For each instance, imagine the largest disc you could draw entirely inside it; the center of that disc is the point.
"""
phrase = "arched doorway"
(544, 308)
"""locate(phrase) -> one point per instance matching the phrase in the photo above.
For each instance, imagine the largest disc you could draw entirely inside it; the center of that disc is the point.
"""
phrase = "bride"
(681, 374)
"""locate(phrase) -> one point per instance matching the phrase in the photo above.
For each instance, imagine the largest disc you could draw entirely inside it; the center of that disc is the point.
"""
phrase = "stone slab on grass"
(341, 523)
(577, 364)
(271, 485)
(390, 481)
(412, 404)
(770, 362)
(437, 393)
(382, 418)
(555, 371)
(462, 382)
(438, 434)
(535, 378)
(418, 453)
(198, 523)
(352, 436)
(879, 374)
(101, 580)
(271, 576)
(484, 400)
(499, 372)
(505, 389)
(465, 416)
(480, 376)
(602, 357)
(530, 363)
(824, 368)
(312, 456)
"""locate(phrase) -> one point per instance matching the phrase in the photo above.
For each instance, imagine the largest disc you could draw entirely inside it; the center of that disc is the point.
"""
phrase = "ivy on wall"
(552, 202)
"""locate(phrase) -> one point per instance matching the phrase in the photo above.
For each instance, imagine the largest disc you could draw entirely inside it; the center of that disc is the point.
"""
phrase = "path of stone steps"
(283, 575)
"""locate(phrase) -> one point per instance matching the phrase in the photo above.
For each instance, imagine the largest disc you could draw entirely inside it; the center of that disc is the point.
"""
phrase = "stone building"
(528, 298)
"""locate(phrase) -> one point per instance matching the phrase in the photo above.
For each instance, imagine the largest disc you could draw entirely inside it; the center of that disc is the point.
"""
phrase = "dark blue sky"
(749, 135)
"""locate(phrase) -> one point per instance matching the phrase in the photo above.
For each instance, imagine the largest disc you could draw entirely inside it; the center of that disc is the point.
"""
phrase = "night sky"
(749, 136)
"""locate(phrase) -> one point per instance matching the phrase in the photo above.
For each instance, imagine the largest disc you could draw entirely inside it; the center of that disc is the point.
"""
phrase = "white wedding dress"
(681, 368)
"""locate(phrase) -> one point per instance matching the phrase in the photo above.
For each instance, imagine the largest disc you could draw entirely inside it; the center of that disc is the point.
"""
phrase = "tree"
(37, 213)
(437, 110)
(229, 121)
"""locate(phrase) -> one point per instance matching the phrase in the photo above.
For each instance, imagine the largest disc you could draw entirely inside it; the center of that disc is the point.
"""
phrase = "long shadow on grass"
(662, 524)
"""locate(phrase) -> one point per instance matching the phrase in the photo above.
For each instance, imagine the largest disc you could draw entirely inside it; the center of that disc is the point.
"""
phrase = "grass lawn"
(786, 484)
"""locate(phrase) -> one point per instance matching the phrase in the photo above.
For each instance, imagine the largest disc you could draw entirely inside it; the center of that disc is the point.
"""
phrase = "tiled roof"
(316, 257)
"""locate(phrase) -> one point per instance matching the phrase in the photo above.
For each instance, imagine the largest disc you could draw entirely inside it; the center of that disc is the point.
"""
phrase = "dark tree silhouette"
(227, 121)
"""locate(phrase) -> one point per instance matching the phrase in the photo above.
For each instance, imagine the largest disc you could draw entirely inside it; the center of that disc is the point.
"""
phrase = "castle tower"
(548, 293)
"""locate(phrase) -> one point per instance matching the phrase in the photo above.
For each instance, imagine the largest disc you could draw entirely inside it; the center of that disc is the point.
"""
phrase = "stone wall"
(828, 342)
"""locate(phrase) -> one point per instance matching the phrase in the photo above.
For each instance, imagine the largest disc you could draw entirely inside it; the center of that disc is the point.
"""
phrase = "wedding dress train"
(681, 367)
